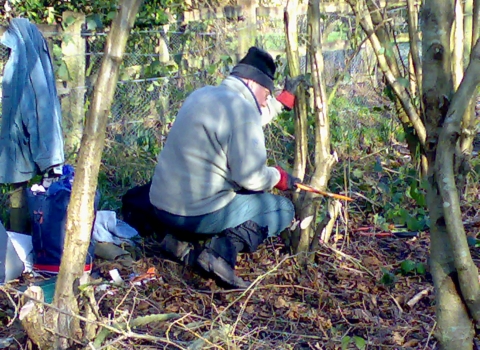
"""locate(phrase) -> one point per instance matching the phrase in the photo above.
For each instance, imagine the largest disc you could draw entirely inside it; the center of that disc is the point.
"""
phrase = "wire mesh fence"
(160, 68)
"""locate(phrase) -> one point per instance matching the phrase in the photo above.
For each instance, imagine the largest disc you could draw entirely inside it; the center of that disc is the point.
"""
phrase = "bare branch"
(361, 11)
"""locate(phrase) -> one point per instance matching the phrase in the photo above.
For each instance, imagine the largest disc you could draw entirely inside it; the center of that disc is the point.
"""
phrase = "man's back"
(215, 147)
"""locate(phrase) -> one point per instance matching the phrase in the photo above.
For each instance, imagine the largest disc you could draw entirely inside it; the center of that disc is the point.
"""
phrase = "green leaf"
(57, 50)
(111, 15)
(388, 278)
(62, 72)
(381, 51)
(359, 342)
(91, 24)
(94, 22)
(414, 224)
(472, 241)
(407, 266)
(69, 20)
(421, 270)
(378, 167)
(358, 173)
(345, 342)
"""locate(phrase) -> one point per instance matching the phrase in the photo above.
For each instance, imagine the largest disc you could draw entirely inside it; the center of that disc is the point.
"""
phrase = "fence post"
(73, 105)
(247, 35)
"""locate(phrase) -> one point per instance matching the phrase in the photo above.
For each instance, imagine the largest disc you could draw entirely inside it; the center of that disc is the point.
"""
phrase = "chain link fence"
(161, 67)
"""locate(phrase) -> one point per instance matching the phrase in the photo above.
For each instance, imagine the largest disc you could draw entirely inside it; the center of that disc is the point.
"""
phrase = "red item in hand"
(287, 99)
(282, 185)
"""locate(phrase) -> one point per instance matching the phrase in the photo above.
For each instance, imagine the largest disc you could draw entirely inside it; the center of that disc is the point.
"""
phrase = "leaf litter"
(339, 301)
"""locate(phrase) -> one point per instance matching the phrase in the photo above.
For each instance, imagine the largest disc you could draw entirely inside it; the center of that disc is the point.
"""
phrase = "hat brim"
(246, 71)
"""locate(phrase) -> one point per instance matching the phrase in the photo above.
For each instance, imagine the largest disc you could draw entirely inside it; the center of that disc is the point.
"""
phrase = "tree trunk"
(454, 326)
(301, 138)
(458, 45)
(362, 13)
(467, 30)
(467, 272)
(476, 23)
(324, 159)
(385, 36)
(80, 210)
(300, 110)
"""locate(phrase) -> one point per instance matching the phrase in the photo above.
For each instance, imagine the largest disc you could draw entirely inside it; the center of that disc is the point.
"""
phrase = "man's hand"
(287, 182)
(287, 96)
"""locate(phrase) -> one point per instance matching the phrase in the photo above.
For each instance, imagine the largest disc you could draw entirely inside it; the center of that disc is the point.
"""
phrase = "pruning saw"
(308, 188)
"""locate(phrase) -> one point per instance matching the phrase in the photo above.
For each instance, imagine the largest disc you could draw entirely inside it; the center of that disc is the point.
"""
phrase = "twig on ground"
(367, 199)
(351, 258)
(213, 334)
(397, 304)
(254, 283)
(14, 305)
(109, 344)
(430, 335)
(416, 298)
(112, 329)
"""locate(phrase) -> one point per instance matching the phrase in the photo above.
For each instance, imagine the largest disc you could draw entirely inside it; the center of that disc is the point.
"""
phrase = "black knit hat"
(257, 65)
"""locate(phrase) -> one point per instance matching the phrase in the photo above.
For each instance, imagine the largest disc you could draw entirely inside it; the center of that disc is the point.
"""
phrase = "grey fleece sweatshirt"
(216, 146)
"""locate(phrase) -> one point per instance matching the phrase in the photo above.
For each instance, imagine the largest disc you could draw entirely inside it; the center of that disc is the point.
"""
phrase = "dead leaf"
(411, 343)
(250, 309)
(398, 338)
(280, 303)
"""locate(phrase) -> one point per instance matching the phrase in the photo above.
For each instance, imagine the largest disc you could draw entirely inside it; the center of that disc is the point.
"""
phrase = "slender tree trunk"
(301, 138)
(362, 13)
(458, 49)
(80, 210)
(469, 121)
(300, 110)
(467, 30)
(476, 22)
(324, 159)
(454, 326)
(446, 180)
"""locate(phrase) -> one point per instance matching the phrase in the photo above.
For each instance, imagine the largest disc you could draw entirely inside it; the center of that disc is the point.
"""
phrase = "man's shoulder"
(216, 96)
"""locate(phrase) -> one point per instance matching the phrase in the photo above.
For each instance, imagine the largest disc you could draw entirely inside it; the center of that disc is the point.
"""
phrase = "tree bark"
(476, 22)
(458, 45)
(324, 159)
(80, 210)
(454, 326)
(468, 42)
(300, 110)
(414, 39)
(445, 178)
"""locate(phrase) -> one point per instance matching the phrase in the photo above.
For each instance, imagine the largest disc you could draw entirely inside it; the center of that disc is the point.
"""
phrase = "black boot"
(212, 263)
(184, 252)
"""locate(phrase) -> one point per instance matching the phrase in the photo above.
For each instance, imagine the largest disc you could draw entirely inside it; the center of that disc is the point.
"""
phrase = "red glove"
(287, 182)
(287, 99)
(287, 96)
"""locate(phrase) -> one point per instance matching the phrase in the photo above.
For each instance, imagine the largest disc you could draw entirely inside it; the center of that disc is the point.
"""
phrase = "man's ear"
(248, 82)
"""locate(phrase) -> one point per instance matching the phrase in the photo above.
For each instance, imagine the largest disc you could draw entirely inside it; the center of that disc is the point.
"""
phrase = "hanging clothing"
(31, 137)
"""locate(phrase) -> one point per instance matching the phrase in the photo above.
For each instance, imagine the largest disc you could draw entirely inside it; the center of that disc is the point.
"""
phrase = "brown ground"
(340, 295)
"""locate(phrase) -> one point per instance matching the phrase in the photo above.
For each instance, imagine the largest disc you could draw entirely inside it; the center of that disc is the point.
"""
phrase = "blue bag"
(48, 211)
